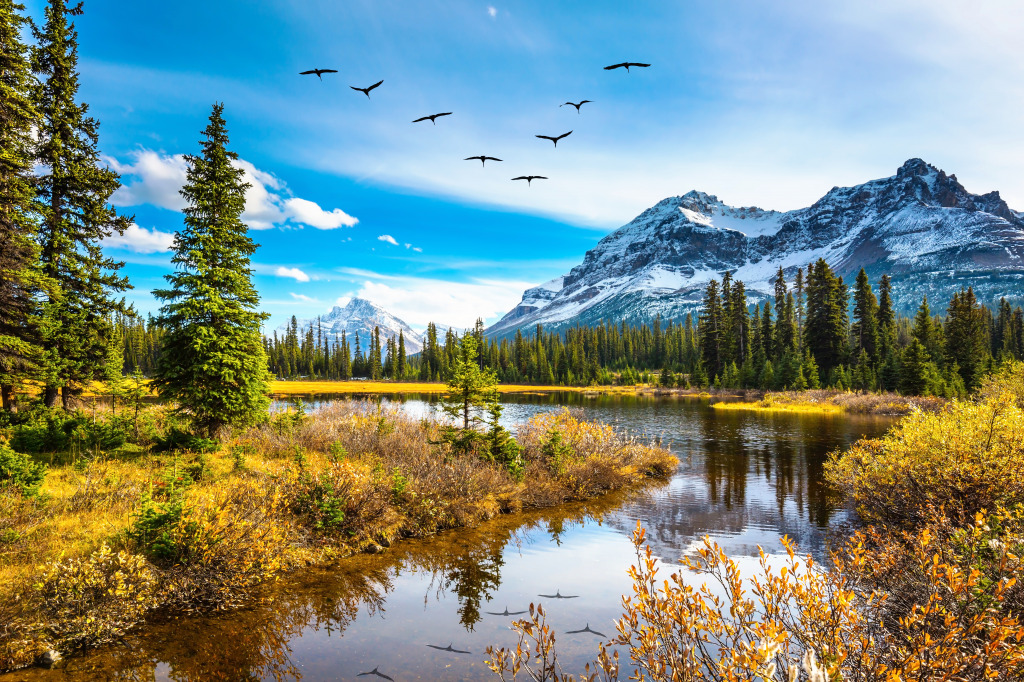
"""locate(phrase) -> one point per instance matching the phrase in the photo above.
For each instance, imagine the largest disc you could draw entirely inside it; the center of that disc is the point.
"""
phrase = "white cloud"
(140, 240)
(294, 273)
(343, 301)
(419, 300)
(155, 178)
(493, 11)
(417, 249)
(387, 238)
(304, 299)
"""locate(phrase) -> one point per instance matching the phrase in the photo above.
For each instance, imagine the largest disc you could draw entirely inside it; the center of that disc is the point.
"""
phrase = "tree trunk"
(50, 396)
(66, 397)
(7, 395)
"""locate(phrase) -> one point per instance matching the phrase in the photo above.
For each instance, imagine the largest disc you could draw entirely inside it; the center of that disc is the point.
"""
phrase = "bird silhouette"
(432, 117)
(624, 64)
(529, 179)
(483, 159)
(377, 673)
(506, 611)
(554, 139)
(449, 649)
(586, 629)
(575, 104)
(558, 595)
(319, 72)
(366, 91)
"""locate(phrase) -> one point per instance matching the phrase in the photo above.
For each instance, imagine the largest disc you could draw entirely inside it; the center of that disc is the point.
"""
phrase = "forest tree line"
(815, 332)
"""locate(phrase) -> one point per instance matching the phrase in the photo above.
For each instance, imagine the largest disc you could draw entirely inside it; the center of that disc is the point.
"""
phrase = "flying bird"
(558, 595)
(449, 649)
(624, 64)
(586, 629)
(366, 91)
(483, 159)
(378, 674)
(319, 72)
(529, 179)
(575, 104)
(506, 611)
(554, 139)
(432, 117)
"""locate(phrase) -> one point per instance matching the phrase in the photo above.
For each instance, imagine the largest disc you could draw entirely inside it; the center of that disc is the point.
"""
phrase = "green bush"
(18, 470)
(44, 430)
(179, 440)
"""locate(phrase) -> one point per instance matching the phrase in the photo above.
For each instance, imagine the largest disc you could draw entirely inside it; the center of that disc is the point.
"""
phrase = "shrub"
(96, 599)
(964, 459)
(20, 472)
(45, 430)
(179, 440)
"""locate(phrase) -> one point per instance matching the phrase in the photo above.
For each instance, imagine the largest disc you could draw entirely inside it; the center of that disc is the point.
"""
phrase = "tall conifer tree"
(865, 318)
(213, 364)
(73, 193)
(19, 276)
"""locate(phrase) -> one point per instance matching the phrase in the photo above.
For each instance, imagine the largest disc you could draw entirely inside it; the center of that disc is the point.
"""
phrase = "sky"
(760, 103)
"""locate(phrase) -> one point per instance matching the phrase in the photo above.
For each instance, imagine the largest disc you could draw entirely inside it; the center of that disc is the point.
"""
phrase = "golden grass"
(831, 401)
(797, 407)
(381, 468)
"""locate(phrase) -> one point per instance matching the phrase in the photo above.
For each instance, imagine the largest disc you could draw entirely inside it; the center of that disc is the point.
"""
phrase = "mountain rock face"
(360, 315)
(920, 226)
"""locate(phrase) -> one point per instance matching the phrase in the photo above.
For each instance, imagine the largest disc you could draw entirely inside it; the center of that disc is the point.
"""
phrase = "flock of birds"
(506, 613)
(482, 158)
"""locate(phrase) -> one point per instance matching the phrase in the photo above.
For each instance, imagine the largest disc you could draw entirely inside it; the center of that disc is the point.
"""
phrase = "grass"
(827, 401)
(115, 537)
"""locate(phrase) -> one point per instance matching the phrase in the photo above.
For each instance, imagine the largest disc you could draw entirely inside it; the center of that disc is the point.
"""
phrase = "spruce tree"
(19, 276)
(710, 330)
(865, 318)
(966, 337)
(213, 364)
(401, 360)
(73, 190)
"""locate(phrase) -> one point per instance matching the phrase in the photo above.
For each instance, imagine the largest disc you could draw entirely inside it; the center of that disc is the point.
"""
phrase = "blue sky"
(761, 103)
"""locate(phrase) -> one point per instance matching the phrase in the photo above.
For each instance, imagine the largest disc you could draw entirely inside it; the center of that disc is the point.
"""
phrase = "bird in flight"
(483, 159)
(378, 674)
(575, 104)
(625, 64)
(366, 91)
(448, 648)
(529, 179)
(558, 595)
(507, 611)
(432, 117)
(586, 629)
(319, 72)
(555, 139)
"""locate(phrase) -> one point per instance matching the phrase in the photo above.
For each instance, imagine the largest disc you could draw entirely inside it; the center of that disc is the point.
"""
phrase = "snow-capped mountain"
(920, 226)
(360, 315)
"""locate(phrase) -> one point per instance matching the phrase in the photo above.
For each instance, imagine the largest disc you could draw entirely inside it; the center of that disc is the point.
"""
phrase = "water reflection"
(744, 479)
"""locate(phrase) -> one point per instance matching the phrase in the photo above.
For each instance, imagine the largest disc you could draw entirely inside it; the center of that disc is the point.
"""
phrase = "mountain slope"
(920, 226)
(361, 316)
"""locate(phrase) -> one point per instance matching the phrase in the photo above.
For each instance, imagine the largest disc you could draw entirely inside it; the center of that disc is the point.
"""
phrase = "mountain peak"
(915, 168)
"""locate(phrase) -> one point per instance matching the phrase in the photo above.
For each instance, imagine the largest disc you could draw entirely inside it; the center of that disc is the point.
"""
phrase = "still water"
(745, 480)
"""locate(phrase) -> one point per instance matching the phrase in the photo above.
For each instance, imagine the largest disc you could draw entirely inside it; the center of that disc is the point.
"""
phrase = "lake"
(745, 479)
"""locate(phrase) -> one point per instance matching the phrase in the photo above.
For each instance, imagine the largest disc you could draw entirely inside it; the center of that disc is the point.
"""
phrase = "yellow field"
(768, 406)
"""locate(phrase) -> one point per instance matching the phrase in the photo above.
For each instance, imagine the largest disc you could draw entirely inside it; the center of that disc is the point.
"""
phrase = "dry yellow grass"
(798, 407)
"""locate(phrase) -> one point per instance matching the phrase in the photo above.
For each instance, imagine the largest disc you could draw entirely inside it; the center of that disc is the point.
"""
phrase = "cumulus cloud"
(155, 178)
(140, 240)
(294, 273)
(387, 238)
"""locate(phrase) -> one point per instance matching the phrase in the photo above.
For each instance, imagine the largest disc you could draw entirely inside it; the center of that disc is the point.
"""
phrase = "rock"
(50, 658)
(384, 542)
(373, 548)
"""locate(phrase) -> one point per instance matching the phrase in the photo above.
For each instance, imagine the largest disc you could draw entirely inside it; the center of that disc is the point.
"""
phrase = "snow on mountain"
(361, 316)
(920, 226)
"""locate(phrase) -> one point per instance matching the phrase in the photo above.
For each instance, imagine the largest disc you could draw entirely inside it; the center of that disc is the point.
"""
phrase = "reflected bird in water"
(506, 612)
(558, 595)
(586, 629)
(449, 649)
(378, 674)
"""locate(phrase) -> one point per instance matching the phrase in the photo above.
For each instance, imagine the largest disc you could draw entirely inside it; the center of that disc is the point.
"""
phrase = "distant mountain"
(360, 315)
(920, 226)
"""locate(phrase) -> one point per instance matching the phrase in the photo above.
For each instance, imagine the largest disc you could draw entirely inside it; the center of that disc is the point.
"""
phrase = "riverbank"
(837, 402)
(117, 536)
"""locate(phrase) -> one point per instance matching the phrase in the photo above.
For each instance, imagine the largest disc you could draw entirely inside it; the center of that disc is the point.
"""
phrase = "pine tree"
(826, 326)
(401, 360)
(19, 277)
(865, 318)
(966, 342)
(886, 319)
(710, 329)
(213, 363)
(913, 377)
(73, 191)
